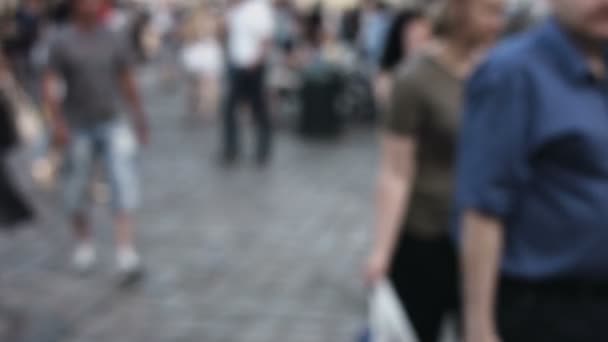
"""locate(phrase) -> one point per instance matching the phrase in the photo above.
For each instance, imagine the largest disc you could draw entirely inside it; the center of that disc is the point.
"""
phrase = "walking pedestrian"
(412, 246)
(14, 209)
(250, 30)
(96, 67)
(533, 183)
(202, 59)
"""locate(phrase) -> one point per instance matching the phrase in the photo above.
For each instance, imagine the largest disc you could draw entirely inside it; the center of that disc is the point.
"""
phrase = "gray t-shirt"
(90, 63)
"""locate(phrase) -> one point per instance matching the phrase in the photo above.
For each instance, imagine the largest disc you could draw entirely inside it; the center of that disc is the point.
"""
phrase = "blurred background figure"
(374, 21)
(287, 25)
(248, 46)
(14, 209)
(364, 29)
(410, 30)
(140, 35)
(202, 59)
(532, 193)
(96, 67)
(27, 52)
(285, 61)
(412, 246)
(320, 78)
(29, 23)
(164, 40)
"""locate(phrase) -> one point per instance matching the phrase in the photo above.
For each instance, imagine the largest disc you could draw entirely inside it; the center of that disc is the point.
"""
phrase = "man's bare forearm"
(481, 254)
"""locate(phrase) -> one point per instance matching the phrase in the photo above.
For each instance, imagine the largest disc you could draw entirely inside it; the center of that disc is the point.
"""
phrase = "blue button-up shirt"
(534, 153)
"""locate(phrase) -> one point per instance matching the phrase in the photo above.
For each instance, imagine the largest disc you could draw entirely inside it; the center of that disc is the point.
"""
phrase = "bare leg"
(79, 161)
(125, 230)
(82, 228)
(84, 256)
(128, 260)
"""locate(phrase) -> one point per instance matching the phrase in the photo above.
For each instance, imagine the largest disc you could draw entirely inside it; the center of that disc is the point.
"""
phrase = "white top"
(203, 57)
(250, 24)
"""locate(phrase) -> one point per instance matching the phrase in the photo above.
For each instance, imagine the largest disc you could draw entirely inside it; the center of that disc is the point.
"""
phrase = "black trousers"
(552, 312)
(246, 85)
(426, 278)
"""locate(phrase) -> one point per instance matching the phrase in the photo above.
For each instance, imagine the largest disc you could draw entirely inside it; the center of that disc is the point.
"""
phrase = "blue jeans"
(114, 146)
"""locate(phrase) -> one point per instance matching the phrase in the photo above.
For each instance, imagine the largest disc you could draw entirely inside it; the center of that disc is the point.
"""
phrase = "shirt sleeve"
(493, 164)
(405, 110)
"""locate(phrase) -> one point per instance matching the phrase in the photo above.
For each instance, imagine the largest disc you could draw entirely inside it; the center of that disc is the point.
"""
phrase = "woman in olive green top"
(412, 246)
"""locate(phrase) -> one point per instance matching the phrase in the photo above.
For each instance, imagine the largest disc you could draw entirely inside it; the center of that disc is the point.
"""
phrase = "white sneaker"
(84, 257)
(129, 266)
(127, 259)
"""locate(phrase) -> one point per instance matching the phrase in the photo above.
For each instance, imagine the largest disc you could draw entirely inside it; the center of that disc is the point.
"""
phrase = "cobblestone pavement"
(242, 255)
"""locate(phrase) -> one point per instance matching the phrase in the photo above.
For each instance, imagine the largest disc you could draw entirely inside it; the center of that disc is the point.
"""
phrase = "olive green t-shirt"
(425, 105)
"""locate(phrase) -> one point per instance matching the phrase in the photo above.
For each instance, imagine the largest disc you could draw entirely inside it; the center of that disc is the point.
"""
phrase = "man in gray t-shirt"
(96, 68)
(91, 62)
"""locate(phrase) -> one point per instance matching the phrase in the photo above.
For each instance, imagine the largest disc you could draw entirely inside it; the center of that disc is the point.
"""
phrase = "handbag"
(388, 321)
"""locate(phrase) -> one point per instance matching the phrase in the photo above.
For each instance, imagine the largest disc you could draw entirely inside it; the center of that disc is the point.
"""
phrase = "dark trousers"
(425, 275)
(14, 209)
(246, 85)
(552, 312)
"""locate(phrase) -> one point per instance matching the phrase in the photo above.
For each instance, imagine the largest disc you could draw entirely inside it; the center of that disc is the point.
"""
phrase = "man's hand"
(376, 268)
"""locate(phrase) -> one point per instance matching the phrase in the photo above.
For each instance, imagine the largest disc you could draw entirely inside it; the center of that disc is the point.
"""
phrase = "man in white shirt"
(250, 28)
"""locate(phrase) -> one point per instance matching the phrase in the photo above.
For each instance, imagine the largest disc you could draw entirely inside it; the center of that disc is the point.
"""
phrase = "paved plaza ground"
(251, 255)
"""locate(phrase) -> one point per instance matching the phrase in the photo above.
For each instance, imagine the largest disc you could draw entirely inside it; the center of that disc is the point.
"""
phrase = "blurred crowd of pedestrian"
(492, 186)
(355, 49)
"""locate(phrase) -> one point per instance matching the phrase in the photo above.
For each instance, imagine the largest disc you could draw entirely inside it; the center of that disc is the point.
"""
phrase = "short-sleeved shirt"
(534, 153)
(90, 63)
(250, 24)
(425, 105)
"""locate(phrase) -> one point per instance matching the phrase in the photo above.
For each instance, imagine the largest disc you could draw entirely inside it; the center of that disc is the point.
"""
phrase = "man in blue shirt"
(532, 197)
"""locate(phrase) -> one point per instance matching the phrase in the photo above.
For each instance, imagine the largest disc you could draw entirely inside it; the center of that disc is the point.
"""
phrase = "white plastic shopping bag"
(388, 321)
